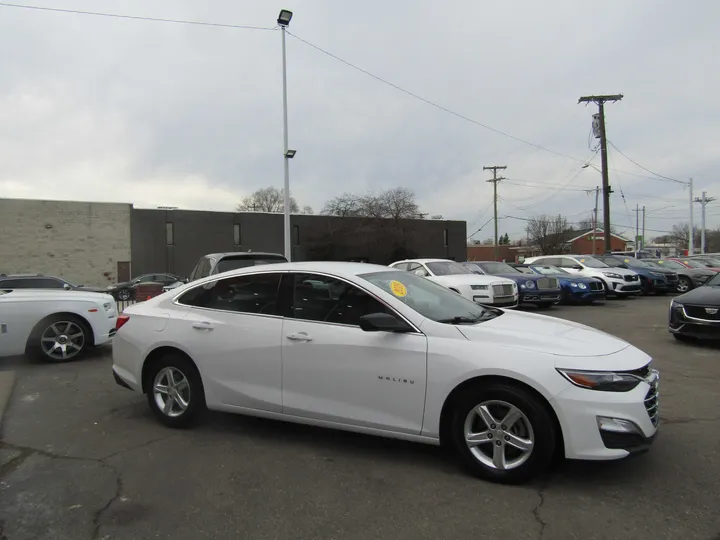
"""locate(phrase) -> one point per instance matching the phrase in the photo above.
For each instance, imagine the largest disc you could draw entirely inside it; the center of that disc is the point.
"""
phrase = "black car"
(40, 281)
(126, 290)
(216, 263)
(688, 278)
(696, 314)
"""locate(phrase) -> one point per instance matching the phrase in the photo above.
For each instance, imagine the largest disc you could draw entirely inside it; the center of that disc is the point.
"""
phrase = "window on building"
(237, 239)
(445, 237)
(296, 235)
(169, 234)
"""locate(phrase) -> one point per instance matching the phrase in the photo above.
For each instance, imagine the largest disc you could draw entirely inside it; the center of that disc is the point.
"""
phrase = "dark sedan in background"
(696, 315)
(126, 290)
(688, 278)
(541, 291)
(652, 280)
(575, 289)
(40, 281)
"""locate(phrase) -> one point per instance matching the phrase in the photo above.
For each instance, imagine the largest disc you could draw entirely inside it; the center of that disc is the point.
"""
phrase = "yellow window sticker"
(627, 260)
(582, 260)
(398, 289)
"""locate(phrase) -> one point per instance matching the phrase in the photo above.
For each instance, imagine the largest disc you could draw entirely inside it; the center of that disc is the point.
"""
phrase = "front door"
(235, 336)
(334, 371)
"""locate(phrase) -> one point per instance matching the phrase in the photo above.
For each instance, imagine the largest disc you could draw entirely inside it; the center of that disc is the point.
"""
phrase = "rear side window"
(14, 284)
(46, 283)
(255, 293)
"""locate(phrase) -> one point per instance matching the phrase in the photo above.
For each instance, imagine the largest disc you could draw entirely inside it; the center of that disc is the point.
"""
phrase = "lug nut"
(498, 443)
(489, 435)
(492, 426)
(507, 437)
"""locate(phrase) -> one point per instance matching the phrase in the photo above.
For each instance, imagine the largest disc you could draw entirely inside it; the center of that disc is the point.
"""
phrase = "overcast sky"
(108, 109)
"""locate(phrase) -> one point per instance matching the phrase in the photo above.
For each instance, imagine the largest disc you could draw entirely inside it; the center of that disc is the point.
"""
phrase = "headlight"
(582, 286)
(107, 306)
(613, 275)
(528, 285)
(573, 284)
(604, 381)
(479, 287)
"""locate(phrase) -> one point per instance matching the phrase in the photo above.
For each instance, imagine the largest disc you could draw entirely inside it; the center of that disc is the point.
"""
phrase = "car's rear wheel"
(684, 285)
(175, 391)
(503, 433)
(124, 294)
(60, 338)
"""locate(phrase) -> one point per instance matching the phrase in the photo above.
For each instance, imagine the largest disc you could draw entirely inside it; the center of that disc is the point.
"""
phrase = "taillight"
(121, 320)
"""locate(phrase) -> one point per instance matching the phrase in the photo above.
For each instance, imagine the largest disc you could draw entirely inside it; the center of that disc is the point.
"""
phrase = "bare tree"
(547, 233)
(680, 235)
(397, 203)
(307, 210)
(267, 199)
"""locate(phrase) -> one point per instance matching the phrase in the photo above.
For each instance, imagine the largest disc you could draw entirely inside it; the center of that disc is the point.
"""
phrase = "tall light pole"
(283, 21)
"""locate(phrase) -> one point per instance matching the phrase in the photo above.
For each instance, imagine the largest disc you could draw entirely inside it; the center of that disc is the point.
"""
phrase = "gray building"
(92, 243)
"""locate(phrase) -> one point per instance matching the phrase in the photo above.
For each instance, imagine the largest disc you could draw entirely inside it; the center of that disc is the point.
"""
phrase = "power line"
(659, 176)
(136, 17)
(428, 102)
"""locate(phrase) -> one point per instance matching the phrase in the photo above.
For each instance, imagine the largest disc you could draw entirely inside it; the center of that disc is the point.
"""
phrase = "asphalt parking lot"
(83, 458)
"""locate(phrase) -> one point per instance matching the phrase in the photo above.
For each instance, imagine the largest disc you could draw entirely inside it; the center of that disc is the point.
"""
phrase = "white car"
(56, 325)
(380, 351)
(617, 281)
(486, 290)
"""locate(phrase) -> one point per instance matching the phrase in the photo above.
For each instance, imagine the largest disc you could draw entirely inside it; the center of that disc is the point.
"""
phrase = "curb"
(7, 382)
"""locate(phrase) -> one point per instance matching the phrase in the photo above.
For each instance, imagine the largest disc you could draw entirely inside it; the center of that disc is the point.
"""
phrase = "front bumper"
(578, 410)
(535, 296)
(624, 287)
(579, 295)
(679, 323)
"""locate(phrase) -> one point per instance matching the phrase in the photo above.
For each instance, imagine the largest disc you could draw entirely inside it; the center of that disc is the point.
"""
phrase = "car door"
(568, 264)
(336, 372)
(17, 319)
(232, 329)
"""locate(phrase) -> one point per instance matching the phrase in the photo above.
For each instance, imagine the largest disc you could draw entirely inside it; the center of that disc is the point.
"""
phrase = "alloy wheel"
(499, 435)
(171, 391)
(683, 285)
(62, 340)
(124, 294)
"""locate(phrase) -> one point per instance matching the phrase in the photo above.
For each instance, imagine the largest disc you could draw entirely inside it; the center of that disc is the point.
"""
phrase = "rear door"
(334, 371)
(232, 329)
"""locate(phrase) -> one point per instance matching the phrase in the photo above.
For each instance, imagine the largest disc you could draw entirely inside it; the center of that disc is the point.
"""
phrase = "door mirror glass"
(420, 272)
(576, 267)
(382, 322)
(67, 287)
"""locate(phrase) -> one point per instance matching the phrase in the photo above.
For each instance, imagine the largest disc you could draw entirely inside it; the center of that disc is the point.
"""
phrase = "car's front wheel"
(684, 285)
(503, 432)
(60, 338)
(175, 391)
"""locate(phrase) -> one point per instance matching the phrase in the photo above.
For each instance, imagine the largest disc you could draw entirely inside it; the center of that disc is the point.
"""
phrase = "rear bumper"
(120, 381)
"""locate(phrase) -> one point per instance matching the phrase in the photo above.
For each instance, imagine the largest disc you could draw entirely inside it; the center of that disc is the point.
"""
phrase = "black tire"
(193, 394)
(71, 333)
(535, 412)
(645, 287)
(684, 284)
(124, 294)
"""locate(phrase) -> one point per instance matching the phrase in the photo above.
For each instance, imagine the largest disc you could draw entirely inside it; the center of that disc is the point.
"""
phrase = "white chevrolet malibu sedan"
(380, 351)
(481, 289)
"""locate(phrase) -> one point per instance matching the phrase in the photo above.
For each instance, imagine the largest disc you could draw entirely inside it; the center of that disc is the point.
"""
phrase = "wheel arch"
(447, 408)
(154, 356)
(38, 326)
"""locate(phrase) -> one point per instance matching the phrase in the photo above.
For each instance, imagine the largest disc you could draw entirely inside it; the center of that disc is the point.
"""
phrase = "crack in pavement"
(27, 451)
(536, 511)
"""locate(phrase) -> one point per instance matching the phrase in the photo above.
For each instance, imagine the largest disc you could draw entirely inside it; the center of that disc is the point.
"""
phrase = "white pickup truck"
(55, 325)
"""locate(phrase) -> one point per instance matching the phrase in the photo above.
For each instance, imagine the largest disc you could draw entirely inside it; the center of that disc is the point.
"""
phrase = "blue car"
(541, 291)
(575, 289)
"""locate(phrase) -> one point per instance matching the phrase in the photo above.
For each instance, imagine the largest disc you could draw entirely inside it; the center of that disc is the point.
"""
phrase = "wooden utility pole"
(600, 101)
(495, 179)
(704, 200)
(637, 227)
(642, 244)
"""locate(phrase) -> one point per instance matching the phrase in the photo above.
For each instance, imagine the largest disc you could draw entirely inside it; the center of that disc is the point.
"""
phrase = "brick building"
(581, 242)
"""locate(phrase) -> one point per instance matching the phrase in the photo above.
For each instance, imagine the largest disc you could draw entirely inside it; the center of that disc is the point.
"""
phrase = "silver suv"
(215, 263)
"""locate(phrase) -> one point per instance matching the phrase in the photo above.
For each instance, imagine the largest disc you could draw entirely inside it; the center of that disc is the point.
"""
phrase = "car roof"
(240, 254)
(332, 267)
(423, 260)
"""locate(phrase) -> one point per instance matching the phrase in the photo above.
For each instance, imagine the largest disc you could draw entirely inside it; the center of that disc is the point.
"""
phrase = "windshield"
(694, 264)
(493, 268)
(549, 270)
(592, 263)
(613, 263)
(447, 268)
(634, 263)
(243, 262)
(714, 281)
(524, 269)
(430, 299)
(712, 261)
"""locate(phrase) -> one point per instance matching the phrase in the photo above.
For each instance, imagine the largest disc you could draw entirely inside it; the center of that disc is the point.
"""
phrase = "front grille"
(547, 283)
(596, 286)
(502, 290)
(701, 312)
(630, 278)
(652, 403)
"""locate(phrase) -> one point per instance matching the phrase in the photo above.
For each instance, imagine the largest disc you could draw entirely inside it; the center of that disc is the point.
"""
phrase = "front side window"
(549, 270)
(254, 293)
(497, 268)
(14, 284)
(694, 264)
(612, 262)
(46, 283)
(329, 300)
(447, 268)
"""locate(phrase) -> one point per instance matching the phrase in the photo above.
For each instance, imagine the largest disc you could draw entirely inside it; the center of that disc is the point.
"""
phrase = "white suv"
(618, 281)
(485, 290)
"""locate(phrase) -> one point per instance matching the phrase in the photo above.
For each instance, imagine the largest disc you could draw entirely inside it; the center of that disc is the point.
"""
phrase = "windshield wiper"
(460, 320)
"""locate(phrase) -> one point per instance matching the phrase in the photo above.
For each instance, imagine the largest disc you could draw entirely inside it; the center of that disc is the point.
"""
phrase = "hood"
(469, 279)
(662, 270)
(574, 279)
(539, 333)
(120, 285)
(702, 296)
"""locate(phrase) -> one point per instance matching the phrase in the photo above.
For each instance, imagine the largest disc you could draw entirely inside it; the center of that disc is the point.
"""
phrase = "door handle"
(300, 336)
(202, 326)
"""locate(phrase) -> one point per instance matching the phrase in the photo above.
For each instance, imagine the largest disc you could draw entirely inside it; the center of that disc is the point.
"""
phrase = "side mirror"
(420, 272)
(382, 322)
(576, 267)
(66, 287)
